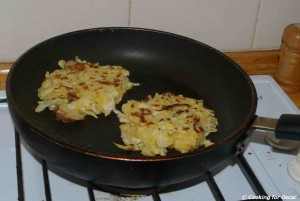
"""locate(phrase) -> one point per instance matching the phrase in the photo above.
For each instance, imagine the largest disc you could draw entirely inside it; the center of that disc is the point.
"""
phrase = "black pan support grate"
(246, 169)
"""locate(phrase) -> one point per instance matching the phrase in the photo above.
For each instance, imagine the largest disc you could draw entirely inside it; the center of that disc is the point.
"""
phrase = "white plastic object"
(294, 167)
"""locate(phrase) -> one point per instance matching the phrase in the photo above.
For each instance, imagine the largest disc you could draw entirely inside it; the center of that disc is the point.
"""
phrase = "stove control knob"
(280, 144)
(294, 168)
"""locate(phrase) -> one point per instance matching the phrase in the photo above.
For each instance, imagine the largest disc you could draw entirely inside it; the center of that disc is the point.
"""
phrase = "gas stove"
(25, 177)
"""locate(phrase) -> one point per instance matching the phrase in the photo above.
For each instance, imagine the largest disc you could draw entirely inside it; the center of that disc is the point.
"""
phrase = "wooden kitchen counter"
(253, 62)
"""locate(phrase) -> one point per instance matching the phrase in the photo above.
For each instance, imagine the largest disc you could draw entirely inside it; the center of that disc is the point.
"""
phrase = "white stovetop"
(269, 164)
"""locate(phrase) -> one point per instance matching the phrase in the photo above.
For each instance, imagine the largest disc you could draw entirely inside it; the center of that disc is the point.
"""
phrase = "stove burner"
(166, 189)
(154, 192)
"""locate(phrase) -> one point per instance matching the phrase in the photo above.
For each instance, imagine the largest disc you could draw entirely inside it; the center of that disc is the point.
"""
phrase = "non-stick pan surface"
(159, 61)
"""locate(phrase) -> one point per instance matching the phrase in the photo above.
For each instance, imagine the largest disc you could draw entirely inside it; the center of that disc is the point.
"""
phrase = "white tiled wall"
(228, 25)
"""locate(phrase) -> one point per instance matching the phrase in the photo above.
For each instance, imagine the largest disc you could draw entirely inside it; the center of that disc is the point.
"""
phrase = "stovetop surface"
(268, 163)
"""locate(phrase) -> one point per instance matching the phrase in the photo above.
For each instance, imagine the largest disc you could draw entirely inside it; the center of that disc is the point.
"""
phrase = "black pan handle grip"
(288, 127)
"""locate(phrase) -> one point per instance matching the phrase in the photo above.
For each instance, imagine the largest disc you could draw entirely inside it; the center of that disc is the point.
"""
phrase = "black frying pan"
(160, 62)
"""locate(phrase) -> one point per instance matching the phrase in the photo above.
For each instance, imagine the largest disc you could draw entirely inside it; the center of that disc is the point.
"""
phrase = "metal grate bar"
(156, 197)
(213, 186)
(90, 189)
(3, 100)
(250, 175)
(46, 181)
(19, 167)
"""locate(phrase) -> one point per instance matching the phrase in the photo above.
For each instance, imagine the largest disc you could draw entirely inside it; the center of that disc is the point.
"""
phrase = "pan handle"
(286, 127)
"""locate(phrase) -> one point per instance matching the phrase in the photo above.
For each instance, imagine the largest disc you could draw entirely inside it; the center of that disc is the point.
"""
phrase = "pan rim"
(243, 127)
